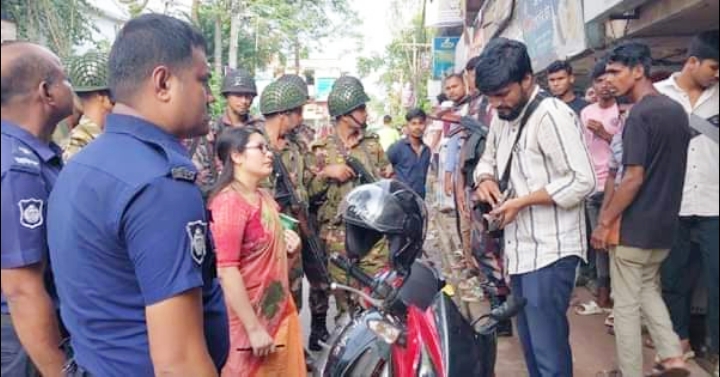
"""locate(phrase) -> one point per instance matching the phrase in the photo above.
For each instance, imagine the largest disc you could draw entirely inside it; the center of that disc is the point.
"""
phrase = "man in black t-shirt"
(655, 142)
(561, 81)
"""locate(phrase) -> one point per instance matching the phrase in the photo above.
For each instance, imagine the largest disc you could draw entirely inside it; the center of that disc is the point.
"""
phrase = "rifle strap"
(346, 154)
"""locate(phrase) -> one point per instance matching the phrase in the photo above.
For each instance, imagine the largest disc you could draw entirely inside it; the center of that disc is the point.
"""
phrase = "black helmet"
(386, 208)
(239, 81)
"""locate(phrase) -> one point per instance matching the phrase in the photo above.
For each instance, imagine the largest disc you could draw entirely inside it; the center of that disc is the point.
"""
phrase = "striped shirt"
(550, 154)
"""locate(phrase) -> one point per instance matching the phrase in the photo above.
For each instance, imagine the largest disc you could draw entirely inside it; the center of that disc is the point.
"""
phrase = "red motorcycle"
(411, 331)
(410, 327)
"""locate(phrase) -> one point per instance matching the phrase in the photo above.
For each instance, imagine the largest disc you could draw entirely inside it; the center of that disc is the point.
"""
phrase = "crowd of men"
(621, 186)
(105, 240)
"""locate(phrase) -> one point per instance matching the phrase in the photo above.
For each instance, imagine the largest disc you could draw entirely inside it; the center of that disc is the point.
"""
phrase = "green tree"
(282, 30)
(58, 24)
(135, 7)
(404, 61)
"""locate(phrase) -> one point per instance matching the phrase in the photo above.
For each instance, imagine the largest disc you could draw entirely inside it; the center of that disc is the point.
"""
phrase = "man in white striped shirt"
(550, 175)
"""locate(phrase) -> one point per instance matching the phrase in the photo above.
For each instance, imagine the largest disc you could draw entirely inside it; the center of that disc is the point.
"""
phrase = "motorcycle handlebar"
(380, 288)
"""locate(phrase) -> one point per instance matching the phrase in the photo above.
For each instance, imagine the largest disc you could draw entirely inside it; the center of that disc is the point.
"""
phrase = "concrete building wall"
(9, 31)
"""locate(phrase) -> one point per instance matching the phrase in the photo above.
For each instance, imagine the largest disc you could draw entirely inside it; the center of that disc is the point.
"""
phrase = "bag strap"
(706, 127)
(539, 98)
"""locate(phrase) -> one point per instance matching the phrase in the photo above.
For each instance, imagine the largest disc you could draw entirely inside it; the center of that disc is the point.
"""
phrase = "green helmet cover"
(281, 96)
(88, 72)
(297, 80)
(347, 79)
(238, 81)
(346, 97)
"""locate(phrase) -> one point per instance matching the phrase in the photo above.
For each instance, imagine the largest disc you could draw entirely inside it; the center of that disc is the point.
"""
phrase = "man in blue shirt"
(128, 232)
(35, 97)
(410, 157)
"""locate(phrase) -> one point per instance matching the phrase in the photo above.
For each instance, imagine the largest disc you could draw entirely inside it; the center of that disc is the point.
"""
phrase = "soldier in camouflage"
(282, 104)
(314, 269)
(239, 90)
(302, 134)
(88, 74)
(334, 179)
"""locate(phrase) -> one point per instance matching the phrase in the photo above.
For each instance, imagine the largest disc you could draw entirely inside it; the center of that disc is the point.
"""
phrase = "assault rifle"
(358, 168)
(286, 197)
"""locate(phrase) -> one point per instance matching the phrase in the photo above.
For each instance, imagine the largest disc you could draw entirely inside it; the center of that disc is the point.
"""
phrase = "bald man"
(36, 96)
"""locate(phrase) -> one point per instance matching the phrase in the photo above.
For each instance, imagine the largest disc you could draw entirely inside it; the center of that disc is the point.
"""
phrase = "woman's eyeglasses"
(263, 148)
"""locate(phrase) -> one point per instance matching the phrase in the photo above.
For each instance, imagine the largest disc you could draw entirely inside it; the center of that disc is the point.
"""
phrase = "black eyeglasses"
(263, 148)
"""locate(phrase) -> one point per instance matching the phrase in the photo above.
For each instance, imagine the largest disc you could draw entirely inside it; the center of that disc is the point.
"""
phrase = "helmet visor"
(382, 206)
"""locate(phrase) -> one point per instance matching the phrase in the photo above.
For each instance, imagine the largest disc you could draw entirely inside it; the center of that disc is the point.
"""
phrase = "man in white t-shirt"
(695, 251)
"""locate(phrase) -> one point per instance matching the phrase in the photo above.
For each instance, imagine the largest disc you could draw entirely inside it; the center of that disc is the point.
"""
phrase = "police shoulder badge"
(197, 233)
(31, 213)
(183, 174)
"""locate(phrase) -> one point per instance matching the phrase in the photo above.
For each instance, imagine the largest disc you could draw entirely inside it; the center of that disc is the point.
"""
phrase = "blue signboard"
(444, 56)
(539, 32)
(552, 29)
(323, 86)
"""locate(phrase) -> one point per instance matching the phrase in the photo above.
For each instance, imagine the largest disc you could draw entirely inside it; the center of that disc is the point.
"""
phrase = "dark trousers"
(543, 325)
(694, 254)
(15, 361)
(600, 260)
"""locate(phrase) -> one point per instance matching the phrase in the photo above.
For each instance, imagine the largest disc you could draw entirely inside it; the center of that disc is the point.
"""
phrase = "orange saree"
(251, 239)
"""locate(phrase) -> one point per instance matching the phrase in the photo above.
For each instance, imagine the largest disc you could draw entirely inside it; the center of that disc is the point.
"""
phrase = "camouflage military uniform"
(80, 136)
(202, 149)
(327, 151)
(88, 74)
(346, 96)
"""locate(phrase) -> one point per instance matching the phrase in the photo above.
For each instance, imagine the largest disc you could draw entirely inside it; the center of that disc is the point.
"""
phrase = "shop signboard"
(444, 56)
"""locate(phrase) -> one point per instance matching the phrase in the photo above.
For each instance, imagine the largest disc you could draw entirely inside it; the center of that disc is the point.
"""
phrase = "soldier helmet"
(346, 97)
(347, 79)
(281, 96)
(389, 209)
(238, 81)
(88, 72)
(297, 80)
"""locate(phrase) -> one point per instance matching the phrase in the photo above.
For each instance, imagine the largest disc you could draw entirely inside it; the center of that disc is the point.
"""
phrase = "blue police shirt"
(128, 229)
(29, 170)
(410, 168)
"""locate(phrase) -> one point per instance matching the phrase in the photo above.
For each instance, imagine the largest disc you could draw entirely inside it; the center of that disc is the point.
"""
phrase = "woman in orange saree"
(252, 258)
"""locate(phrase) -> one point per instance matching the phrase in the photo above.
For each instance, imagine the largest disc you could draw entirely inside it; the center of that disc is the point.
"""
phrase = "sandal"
(662, 371)
(610, 320)
(609, 373)
(589, 309)
(689, 355)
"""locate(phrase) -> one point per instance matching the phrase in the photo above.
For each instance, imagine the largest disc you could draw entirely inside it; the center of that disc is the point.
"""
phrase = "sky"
(376, 35)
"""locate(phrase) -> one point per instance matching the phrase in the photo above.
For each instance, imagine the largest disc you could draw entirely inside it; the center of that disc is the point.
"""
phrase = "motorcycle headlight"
(384, 330)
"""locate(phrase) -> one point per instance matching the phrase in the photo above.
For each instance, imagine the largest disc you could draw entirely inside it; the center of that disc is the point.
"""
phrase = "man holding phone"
(535, 150)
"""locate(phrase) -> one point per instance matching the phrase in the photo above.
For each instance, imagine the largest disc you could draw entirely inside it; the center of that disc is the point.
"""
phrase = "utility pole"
(415, 64)
(236, 11)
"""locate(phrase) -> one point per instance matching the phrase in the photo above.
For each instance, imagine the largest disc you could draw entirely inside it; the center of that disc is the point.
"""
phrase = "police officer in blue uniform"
(35, 97)
(128, 230)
